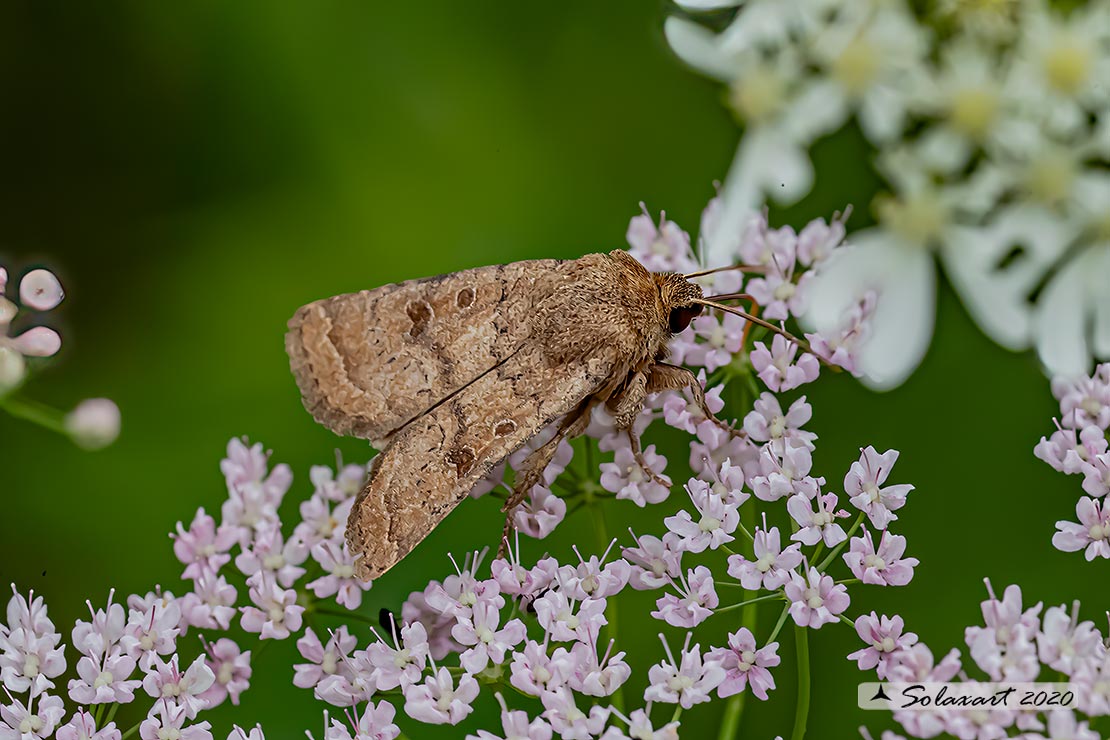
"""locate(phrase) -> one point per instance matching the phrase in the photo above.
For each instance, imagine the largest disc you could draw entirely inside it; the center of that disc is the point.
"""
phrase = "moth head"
(679, 297)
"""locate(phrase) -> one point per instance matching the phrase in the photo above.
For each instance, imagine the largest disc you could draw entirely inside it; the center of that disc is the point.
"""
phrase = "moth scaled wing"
(435, 461)
(368, 363)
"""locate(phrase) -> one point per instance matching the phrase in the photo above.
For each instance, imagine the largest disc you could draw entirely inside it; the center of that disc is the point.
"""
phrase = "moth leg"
(531, 470)
(666, 377)
(625, 406)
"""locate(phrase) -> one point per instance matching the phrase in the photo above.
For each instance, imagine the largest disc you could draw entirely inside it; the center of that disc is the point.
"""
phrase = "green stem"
(801, 712)
(836, 550)
(35, 412)
(611, 614)
(780, 623)
(111, 714)
(677, 713)
(730, 607)
(132, 731)
(730, 720)
(357, 616)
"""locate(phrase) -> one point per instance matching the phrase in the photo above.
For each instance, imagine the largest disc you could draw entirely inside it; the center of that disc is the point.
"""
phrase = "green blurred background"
(196, 173)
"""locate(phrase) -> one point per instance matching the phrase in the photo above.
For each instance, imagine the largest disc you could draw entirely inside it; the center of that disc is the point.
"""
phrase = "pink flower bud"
(40, 341)
(40, 290)
(94, 423)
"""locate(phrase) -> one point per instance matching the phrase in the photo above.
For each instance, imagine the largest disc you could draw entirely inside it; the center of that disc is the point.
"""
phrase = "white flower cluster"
(991, 123)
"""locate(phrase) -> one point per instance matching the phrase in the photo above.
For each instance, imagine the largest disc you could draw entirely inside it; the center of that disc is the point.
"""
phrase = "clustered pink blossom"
(1079, 446)
(1016, 644)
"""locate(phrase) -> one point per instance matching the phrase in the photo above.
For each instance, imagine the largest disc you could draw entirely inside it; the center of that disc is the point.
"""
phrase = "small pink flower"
(722, 339)
(535, 673)
(516, 726)
(31, 721)
(203, 548)
(484, 640)
(882, 567)
(819, 239)
(815, 599)
(323, 660)
(592, 674)
(438, 701)
(628, 479)
(863, 484)
(275, 613)
(82, 726)
(1091, 534)
(817, 525)
(841, 346)
(403, 663)
(687, 681)
(778, 370)
(590, 579)
(768, 422)
(1064, 643)
(540, 513)
(339, 487)
(662, 248)
(375, 723)
(715, 523)
(185, 689)
(772, 566)
(339, 575)
(746, 665)
(104, 681)
(238, 733)
(280, 558)
(211, 604)
(883, 637)
(654, 561)
(558, 615)
(570, 722)
(152, 631)
(232, 669)
(168, 721)
(695, 603)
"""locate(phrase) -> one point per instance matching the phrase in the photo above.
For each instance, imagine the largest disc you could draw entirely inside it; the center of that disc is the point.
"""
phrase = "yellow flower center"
(1068, 63)
(758, 95)
(857, 66)
(972, 110)
(919, 218)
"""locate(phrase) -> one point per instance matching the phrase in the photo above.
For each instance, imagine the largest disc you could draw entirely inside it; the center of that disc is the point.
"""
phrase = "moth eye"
(504, 428)
(681, 317)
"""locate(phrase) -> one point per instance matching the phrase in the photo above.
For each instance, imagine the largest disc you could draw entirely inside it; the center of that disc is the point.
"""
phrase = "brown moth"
(449, 375)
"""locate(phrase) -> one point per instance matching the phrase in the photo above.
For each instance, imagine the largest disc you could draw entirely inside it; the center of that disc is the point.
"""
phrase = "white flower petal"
(1072, 321)
(1060, 331)
(997, 297)
(902, 325)
(699, 47)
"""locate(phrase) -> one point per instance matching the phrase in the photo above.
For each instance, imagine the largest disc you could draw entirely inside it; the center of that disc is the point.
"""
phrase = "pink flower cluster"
(1015, 644)
(1079, 446)
(93, 423)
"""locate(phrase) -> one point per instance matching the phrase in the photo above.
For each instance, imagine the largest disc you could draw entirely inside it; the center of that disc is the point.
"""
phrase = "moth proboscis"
(449, 375)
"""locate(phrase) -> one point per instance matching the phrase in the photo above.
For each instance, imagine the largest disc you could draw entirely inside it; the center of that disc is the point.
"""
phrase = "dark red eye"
(682, 316)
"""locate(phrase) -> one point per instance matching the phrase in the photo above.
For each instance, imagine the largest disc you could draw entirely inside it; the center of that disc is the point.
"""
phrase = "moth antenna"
(802, 344)
(731, 297)
(754, 269)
